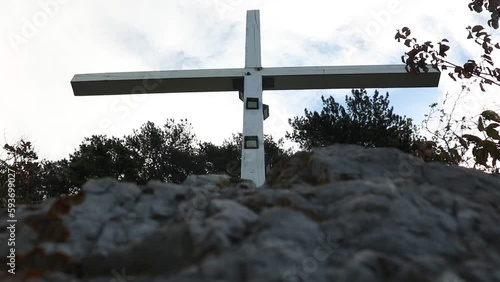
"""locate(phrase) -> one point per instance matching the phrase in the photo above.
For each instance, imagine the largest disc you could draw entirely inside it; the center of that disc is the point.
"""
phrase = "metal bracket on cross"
(265, 108)
(250, 81)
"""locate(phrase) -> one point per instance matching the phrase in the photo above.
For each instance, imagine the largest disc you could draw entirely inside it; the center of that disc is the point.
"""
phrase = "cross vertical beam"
(252, 157)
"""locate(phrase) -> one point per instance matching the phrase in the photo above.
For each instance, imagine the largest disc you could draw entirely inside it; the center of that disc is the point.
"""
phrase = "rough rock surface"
(341, 213)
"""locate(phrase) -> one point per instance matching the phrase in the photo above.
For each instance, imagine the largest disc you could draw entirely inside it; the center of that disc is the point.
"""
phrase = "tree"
(485, 149)
(57, 179)
(223, 158)
(34, 180)
(276, 150)
(227, 157)
(366, 121)
(482, 70)
(100, 156)
(23, 161)
(453, 138)
(168, 153)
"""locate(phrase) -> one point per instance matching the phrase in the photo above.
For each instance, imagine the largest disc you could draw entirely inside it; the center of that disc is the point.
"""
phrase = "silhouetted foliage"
(492, 6)
(57, 179)
(23, 161)
(366, 121)
(227, 157)
(34, 179)
(100, 156)
(168, 153)
(452, 147)
(221, 159)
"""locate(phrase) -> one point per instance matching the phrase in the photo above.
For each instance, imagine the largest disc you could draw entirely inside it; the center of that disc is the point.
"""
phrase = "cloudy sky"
(45, 43)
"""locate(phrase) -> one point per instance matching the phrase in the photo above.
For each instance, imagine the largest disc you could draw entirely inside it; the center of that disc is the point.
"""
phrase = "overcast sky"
(44, 43)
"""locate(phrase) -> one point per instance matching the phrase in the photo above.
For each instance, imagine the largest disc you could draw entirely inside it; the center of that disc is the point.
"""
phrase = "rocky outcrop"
(341, 213)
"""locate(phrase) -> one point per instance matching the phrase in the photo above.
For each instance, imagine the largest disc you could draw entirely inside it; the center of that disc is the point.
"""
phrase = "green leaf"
(463, 142)
(491, 115)
(452, 77)
(481, 156)
(491, 148)
(493, 125)
(477, 28)
(493, 133)
(472, 138)
(480, 124)
(455, 155)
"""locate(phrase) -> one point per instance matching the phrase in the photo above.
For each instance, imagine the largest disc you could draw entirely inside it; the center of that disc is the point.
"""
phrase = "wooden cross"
(250, 81)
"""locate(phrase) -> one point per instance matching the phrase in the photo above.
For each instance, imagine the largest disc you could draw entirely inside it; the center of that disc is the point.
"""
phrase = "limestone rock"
(339, 213)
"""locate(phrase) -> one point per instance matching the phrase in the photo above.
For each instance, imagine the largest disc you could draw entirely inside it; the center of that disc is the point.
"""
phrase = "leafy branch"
(492, 6)
(453, 147)
(420, 56)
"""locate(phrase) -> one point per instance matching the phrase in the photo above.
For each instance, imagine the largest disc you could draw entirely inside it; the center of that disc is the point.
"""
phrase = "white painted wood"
(253, 79)
(156, 82)
(335, 77)
(252, 160)
(252, 50)
(218, 80)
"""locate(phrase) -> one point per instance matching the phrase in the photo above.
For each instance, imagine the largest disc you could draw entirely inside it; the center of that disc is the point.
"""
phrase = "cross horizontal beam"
(283, 78)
